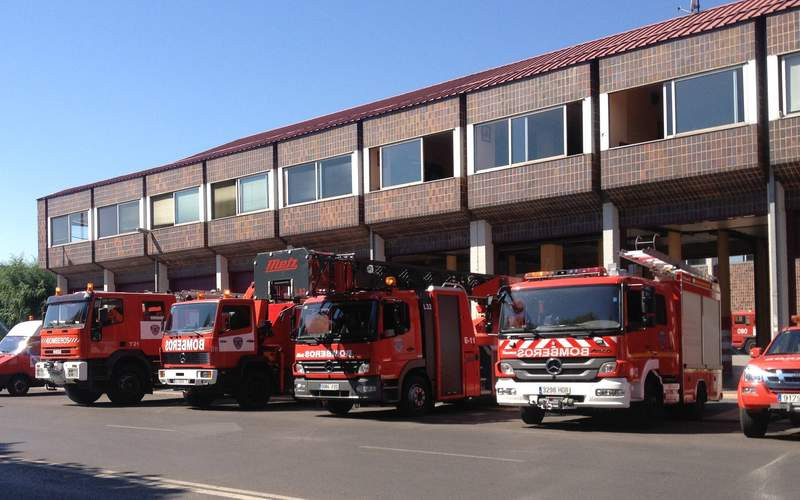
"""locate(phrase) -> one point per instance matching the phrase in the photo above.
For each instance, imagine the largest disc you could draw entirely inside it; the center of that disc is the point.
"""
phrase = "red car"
(19, 351)
(770, 384)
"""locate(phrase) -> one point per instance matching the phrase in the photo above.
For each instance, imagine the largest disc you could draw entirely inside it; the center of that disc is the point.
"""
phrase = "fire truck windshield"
(787, 342)
(355, 320)
(188, 317)
(63, 314)
(561, 310)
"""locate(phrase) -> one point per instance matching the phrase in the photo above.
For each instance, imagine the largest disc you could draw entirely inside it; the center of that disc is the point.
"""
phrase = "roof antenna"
(694, 8)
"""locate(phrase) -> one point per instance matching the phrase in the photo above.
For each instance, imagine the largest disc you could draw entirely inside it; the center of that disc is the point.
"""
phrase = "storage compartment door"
(692, 329)
(449, 342)
(712, 355)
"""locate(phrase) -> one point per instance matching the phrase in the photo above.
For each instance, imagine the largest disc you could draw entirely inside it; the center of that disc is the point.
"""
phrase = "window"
(118, 219)
(239, 316)
(223, 199)
(153, 311)
(661, 310)
(72, 228)
(635, 312)
(175, 208)
(111, 309)
(401, 163)
(319, 180)
(239, 196)
(791, 84)
(706, 101)
(491, 145)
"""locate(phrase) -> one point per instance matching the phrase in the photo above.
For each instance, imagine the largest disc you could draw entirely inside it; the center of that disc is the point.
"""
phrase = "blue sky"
(92, 90)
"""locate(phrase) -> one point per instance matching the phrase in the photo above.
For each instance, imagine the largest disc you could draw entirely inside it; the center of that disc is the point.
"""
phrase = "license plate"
(56, 351)
(554, 390)
(789, 398)
(328, 387)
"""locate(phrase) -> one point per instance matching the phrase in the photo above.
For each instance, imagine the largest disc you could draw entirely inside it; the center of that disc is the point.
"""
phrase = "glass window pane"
(187, 206)
(301, 183)
(518, 140)
(792, 83)
(491, 145)
(79, 227)
(401, 163)
(708, 101)
(253, 193)
(59, 232)
(163, 211)
(128, 217)
(107, 221)
(223, 199)
(546, 134)
(335, 177)
(668, 92)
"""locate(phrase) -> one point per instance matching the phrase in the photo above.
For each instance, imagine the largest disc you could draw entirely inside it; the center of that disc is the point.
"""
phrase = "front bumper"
(565, 395)
(366, 389)
(188, 376)
(60, 373)
(758, 397)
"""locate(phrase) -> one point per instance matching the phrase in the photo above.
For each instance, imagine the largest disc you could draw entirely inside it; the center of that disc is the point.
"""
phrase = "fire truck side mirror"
(755, 352)
(265, 329)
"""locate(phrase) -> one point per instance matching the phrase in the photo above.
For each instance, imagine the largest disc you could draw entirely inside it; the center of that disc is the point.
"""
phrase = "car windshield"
(561, 310)
(787, 342)
(12, 344)
(340, 320)
(61, 314)
(191, 318)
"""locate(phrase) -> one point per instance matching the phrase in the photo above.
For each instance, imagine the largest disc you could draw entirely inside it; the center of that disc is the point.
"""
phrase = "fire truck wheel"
(254, 391)
(531, 415)
(695, 410)
(198, 399)
(652, 407)
(794, 419)
(19, 385)
(753, 423)
(416, 399)
(127, 385)
(338, 407)
(80, 395)
(748, 346)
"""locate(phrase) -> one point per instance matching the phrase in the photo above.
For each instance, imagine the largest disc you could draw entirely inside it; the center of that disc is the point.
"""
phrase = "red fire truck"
(102, 342)
(19, 351)
(227, 345)
(743, 336)
(379, 333)
(586, 339)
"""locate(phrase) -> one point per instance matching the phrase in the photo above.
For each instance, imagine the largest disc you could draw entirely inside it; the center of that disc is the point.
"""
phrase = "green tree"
(24, 288)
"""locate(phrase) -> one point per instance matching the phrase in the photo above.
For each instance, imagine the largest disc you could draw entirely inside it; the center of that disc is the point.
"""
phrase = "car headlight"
(608, 367)
(298, 368)
(363, 367)
(506, 369)
(754, 374)
(205, 374)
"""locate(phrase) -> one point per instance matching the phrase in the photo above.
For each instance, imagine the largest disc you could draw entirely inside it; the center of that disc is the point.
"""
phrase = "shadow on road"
(145, 403)
(230, 405)
(447, 414)
(33, 395)
(23, 478)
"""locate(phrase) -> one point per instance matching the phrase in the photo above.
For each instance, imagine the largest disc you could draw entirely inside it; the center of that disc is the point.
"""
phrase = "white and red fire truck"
(586, 339)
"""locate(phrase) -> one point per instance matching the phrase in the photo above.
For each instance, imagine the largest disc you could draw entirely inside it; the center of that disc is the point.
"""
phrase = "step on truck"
(586, 340)
(377, 333)
(102, 342)
(218, 345)
(19, 352)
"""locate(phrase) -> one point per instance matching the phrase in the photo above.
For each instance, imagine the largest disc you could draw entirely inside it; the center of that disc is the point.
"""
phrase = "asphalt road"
(50, 448)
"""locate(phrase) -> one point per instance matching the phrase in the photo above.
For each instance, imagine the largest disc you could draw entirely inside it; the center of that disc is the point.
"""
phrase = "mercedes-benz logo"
(328, 366)
(553, 366)
(183, 358)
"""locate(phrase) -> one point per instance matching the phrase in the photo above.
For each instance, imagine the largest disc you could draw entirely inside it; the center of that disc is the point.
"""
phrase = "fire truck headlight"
(506, 391)
(298, 368)
(609, 392)
(606, 368)
(754, 374)
(205, 374)
(506, 369)
(162, 374)
(363, 367)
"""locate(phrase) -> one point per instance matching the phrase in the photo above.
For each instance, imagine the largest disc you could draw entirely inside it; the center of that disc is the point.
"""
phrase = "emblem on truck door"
(553, 366)
(237, 342)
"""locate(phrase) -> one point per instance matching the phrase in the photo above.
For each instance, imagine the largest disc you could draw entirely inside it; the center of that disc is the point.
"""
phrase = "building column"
(377, 247)
(674, 248)
(223, 276)
(481, 248)
(452, 263)
(62, 283)
(512, 265)
(761, 279)
(724, 280)
(109, 283)
(551, 257)
(161, 278)
(611, 236)
(778, 260)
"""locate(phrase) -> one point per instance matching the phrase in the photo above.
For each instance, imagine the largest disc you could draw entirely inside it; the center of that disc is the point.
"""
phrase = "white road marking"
(761, 471)
(140, 428)
(162, 483)
(442, 453)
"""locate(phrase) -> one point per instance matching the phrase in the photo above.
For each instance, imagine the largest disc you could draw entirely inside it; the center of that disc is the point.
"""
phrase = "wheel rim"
(19, 385)
(129, 384)
(417, 396)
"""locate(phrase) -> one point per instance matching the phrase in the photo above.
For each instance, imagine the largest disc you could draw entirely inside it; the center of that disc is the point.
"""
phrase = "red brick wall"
(239, 164)
(418, 121)
(250, 227)
(420, 200)
(119, 247)
(118, 192)
(74, 254)
(742, 287)
(319, 216)
(175, 179)
(41, 224)
(70, 203)
(334, 142)
(177, 238)
(783, 33)
(785, 150)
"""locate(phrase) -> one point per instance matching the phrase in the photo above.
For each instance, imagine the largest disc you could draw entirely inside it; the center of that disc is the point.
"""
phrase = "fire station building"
(687, 129)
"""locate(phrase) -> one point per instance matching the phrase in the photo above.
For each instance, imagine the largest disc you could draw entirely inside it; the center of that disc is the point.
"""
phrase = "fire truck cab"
(102, 342)
(586, 340)
(743, 330)
(19, 352)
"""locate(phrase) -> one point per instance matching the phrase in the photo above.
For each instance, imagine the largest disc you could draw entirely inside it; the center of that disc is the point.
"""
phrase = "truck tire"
(794, 419)
(695, 411)
(531, 415)
(748, 345)
(198, 399)
(19, 385)
(416, 399)
(339, 407)
(753, 423)
(651, 408)
(254, 390)
(127, 385)
(81, 395)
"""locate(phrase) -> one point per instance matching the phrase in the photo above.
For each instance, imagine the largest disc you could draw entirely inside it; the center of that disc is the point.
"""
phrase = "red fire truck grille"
(784, 380)
(186, 358)
(330, 366)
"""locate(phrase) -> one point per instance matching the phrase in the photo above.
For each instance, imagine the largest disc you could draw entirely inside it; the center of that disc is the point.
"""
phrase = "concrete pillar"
(778, 260)
(724, 279)
(162, 278)
(452, 263)
(223, 277)
(63, 283)
(761, 278)
(109, 283)
(674, 249)
(710, 266)
(551, 257)
(481, 248)
(512, 264)
(611, 236)
(377, 247)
